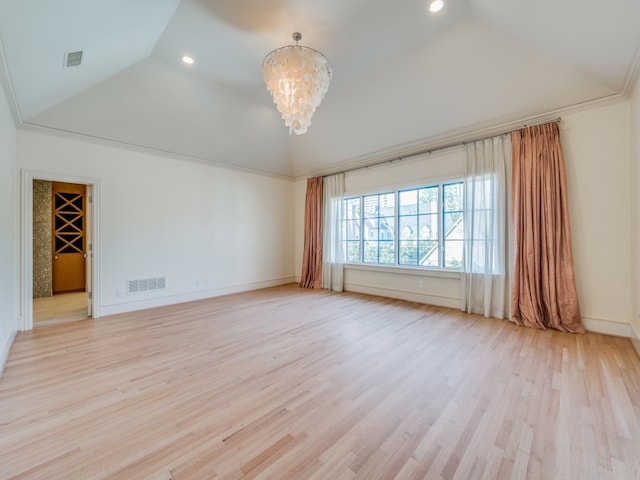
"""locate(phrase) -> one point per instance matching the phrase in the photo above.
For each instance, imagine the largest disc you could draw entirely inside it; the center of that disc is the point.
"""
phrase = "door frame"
(26, 252)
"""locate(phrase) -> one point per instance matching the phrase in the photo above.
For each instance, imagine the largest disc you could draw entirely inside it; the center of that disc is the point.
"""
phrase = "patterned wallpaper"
(42, 274)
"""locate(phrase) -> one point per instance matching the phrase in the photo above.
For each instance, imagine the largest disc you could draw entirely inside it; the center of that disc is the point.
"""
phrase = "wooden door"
(69, 239)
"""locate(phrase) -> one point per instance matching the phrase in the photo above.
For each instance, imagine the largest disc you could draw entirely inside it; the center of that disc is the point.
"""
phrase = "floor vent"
(145, 285)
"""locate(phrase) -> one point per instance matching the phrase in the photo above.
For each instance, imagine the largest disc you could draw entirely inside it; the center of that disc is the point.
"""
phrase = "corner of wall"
(635, 338)
(5, 347)
(608, 327)
(634, 92)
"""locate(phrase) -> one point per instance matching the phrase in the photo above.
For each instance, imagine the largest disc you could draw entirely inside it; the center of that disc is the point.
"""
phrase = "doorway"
(59, 268)
(60, 290)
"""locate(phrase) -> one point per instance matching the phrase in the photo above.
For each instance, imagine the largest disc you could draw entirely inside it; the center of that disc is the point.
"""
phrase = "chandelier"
(297, 78)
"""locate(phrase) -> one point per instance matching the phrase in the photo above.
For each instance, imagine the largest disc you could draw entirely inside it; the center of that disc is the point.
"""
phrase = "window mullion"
(396, 227)
(379, 229)
(441, 216)
(362, 229)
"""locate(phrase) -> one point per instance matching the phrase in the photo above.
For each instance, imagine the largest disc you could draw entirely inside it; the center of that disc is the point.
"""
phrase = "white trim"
(148, 302)
(5, 80)
(5, 349)
(429, 299)
(57, 132)
(427, 181)
(607, 327)
(26, 252)
(597, 325)
(452, 137)
(403, 151)
(632, 76)
(26, 215)
(404, 270)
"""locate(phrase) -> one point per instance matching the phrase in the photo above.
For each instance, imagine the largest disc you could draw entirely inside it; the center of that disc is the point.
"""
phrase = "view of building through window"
(418, 227)
(452, 211)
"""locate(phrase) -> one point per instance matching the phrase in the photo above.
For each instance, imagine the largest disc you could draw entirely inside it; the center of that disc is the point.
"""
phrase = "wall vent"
(145, 285)
(73, 59)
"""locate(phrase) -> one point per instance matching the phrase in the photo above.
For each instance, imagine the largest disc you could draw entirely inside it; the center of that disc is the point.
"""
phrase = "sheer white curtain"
(485, 279)
(332, 263)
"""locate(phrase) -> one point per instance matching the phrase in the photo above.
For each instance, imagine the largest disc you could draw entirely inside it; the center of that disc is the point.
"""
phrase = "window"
(426, 229)
(483, 240)
(379, 228)
(352, 219)
(453, 229)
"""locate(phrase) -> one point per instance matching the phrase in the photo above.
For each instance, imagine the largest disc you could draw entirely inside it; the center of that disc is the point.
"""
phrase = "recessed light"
(436, 6)
(187, 59)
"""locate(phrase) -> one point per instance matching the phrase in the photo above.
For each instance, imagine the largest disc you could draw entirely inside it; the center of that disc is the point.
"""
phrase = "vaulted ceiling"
(401, 75)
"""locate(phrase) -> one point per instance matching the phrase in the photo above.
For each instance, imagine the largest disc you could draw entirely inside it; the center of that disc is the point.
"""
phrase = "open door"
(89, 248)
(69, 238)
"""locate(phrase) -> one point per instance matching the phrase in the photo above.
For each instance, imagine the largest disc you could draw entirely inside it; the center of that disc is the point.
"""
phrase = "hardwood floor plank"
(288, 383)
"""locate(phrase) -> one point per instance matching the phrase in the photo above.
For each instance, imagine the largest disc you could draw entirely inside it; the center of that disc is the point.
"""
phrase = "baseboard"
(608, 327)
(597, 325)
(437, 300)
(5, 348)
(148, 302)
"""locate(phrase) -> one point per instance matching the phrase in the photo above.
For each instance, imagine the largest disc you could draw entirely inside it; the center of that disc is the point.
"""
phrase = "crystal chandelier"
(297, 78)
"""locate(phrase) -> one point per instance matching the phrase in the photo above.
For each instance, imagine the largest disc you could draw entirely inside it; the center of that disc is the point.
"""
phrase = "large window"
(418, 227)
(379, 228)
(453, 224)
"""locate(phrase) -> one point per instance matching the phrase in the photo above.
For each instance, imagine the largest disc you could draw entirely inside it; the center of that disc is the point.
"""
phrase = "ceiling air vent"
(73, 59)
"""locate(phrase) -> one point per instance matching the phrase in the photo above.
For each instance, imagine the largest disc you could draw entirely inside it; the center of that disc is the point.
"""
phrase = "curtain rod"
(445, 147)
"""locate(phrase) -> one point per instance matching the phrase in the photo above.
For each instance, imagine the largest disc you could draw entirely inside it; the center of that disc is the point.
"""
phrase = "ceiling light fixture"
(436, 6)
(297, 78)
(187, 59)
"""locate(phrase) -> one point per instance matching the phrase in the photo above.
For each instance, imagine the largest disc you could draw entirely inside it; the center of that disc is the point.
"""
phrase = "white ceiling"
(402, 76)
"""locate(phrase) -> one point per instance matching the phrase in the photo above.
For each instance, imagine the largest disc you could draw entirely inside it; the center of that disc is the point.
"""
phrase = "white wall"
(598, 162)
(208, 230)
(8, 230)
(597, 155)
(635, 218)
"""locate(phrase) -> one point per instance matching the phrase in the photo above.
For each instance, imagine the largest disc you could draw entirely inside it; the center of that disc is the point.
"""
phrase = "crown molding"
(455, 138)
(12, 101)
(5, 79)
(26, 126)
(632, 77)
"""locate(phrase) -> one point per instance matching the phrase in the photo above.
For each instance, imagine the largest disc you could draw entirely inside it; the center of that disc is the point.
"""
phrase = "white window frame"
(396, 265)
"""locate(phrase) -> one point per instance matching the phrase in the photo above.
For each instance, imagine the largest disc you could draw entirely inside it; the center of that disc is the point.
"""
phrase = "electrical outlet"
(120, 293)
(420, 283)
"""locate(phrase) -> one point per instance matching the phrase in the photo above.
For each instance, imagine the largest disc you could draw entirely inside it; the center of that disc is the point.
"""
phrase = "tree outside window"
(426, 229)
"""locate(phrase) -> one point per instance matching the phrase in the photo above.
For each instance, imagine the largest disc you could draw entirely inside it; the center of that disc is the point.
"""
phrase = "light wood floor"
(59, 308)
(286, 383)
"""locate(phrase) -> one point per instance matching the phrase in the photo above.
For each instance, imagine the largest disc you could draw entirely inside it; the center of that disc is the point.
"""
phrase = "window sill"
(404, 270)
